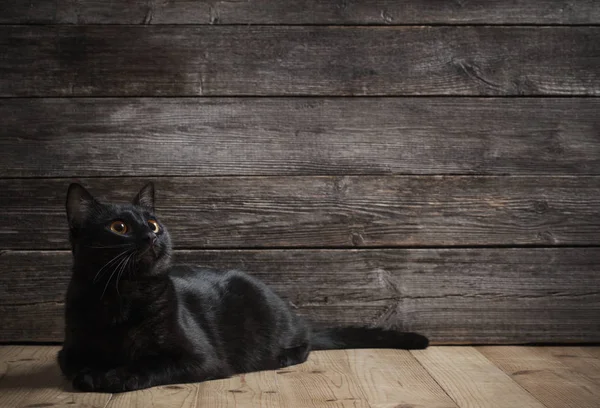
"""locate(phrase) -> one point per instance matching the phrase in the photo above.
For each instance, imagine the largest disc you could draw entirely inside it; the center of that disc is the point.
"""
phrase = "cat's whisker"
(117, 260)
(112, 261)
(121, 272)
(109, 246)
(96, 278)
(133, 259)
(111, 276)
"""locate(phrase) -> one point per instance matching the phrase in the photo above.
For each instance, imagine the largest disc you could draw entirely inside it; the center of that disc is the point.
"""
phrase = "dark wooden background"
(426, 165)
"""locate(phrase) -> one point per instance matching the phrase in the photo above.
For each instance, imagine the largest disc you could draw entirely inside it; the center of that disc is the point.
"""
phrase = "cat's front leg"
(112, 380)
(70, 362)
(145, 374)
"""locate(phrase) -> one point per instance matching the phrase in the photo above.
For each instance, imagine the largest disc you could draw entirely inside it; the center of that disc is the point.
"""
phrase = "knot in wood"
(540, 206)
(547, 236)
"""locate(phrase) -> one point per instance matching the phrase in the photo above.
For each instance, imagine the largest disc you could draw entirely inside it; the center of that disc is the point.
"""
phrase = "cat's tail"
(362, 337)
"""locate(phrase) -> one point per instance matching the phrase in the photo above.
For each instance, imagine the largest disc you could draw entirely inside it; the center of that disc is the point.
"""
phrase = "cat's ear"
(145, 198)
(79, 204)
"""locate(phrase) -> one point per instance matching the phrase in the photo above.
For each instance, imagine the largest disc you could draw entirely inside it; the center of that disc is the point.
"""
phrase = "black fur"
(134, 321)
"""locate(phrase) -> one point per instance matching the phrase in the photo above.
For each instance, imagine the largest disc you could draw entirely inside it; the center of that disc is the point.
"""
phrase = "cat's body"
(133, 321)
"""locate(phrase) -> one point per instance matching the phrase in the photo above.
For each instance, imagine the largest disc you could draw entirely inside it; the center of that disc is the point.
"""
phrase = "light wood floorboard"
(472, 380)
(439, 377)
(549, 378)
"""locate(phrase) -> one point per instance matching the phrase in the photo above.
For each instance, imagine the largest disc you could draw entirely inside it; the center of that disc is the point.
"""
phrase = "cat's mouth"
(149, 254)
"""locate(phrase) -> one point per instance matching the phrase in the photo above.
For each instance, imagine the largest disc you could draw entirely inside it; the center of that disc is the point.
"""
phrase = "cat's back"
(188, 278)
(246, 323)
(212, 284)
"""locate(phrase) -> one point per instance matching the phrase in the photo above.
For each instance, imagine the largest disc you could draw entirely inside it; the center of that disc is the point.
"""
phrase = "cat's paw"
(112, 381)
(84, 381)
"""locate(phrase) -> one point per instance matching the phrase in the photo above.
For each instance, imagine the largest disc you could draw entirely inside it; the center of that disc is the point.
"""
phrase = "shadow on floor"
(34, 377)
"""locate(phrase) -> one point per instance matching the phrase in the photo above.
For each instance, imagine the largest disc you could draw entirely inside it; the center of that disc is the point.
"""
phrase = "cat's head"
(122, 239)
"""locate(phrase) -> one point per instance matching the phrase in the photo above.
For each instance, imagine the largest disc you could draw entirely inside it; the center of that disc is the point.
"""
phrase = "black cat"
(134, 321)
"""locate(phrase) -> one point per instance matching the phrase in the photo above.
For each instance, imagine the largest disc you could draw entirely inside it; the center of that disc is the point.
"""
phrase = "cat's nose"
(151, 238)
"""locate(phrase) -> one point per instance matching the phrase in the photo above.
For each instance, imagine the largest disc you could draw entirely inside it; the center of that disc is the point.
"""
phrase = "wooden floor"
(493, 376)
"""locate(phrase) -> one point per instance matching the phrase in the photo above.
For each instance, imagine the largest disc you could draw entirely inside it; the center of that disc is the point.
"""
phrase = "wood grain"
(325, 380)
(31, 378)
(78, 137)
(255, 390)
(545, 377)
(353, 211)
(452, 295)
(299, 12)
(578, 359)
(167, 396)
(472, 380)
(393, 378)
(593, 351)
(298, 60)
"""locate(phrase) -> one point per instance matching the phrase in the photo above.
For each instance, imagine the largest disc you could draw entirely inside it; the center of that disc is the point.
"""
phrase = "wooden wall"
(426, 165)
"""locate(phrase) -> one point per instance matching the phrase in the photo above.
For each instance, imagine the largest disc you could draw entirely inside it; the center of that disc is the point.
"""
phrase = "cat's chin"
(148, 260)
(149, 255)
(151, 259)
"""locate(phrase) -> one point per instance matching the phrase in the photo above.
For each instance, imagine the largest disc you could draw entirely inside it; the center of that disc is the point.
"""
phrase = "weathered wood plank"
(254, 390)
(545, 377)
(593, 351)
(324, 381)
(393, 378)
(356, 211)
(579, 359)
(294, 60)
(472, 380)
(299, 12)
(452, 295)
(166, 396)
(31, 378)
(74, 137)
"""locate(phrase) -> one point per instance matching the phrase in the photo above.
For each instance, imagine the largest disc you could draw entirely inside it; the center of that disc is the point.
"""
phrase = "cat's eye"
(153, 226)
(118, 227)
